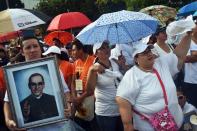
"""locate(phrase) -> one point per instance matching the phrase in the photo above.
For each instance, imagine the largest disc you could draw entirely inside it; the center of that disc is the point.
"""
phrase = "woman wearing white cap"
(103, 77)
(147, 90)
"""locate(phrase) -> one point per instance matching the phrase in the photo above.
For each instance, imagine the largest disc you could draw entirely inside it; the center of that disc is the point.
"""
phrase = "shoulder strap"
(171, 47)
(162, 86)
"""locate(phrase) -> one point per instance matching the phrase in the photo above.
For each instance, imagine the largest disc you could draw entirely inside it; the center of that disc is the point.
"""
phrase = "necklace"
(145, 70)
(104, 65)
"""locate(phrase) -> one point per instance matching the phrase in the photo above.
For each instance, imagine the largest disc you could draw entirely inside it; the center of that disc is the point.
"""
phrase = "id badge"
(78, 85)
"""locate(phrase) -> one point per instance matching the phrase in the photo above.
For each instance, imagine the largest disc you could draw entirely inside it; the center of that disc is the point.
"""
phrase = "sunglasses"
(146, 52)
(180, 97)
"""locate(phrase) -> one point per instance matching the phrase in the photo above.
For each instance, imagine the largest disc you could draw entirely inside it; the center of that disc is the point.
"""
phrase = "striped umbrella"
(18, 19)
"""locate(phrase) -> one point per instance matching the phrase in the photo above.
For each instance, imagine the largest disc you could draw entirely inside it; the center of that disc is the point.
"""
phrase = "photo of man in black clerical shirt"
(38, 105)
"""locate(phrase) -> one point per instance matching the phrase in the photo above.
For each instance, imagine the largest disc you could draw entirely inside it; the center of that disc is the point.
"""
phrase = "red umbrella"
(12, 35)
(64, 37)
(68, 20)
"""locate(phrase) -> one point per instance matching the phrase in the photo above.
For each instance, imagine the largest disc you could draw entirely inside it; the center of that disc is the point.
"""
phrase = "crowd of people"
(118, 88)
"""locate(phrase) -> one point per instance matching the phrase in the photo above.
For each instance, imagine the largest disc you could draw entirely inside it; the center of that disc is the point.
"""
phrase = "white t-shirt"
(160, 51)
(52, 127)
(191, 68)
(105, 92)
(144, 92)
(188, 108)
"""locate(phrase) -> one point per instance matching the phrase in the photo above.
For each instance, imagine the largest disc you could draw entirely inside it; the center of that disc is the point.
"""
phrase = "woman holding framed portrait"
(31, 50)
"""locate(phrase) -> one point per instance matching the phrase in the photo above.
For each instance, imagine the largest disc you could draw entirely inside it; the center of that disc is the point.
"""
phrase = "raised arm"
(91, 79)
(126, 113)
(182, 49)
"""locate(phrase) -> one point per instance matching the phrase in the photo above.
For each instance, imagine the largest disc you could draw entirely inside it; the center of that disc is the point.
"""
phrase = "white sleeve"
(129, 87)
(65, 86)
(6, 99)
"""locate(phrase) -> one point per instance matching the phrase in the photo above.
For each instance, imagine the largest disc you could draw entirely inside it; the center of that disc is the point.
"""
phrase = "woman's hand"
(68, 111)
(12, 126)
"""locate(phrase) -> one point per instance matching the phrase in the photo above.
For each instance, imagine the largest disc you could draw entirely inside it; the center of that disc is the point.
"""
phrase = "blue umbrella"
(188, 9)
(118, 27)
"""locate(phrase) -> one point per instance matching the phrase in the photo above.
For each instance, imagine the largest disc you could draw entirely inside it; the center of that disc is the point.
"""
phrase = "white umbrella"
(18, 19)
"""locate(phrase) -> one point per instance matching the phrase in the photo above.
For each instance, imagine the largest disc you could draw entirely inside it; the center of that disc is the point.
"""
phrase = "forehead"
(37, 30)
(37, 77)
(30, 41)
(105, 44)
(179, 93)
(74, 47)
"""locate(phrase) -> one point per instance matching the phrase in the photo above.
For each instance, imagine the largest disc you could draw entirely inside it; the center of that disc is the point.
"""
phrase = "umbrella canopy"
(64, 37)
(6, 37)
(118, 28)
(195, 15)
(187, 9)
(18, 19)
(68, 20)
(160, 12)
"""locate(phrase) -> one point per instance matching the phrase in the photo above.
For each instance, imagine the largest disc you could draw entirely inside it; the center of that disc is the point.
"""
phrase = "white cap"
(98, 45)
(115, 52)
(52, 49)
(139, 48)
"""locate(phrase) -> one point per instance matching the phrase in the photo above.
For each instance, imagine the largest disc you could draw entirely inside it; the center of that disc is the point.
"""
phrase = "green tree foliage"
(94, 8)
(55, 7)
(106, 6)
(139, 4)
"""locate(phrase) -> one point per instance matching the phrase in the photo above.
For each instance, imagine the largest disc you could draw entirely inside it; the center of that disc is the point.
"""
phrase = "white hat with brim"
(98, 45)
(52, 49)
(140, 46)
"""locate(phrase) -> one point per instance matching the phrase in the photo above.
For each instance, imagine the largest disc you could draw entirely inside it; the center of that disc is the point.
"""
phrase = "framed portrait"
(35, 92)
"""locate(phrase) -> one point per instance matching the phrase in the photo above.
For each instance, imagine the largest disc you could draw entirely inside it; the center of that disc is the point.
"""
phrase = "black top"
(42, 108)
